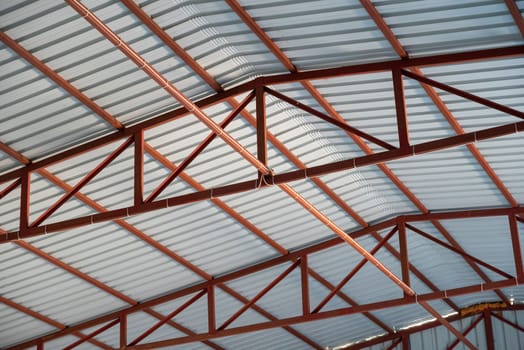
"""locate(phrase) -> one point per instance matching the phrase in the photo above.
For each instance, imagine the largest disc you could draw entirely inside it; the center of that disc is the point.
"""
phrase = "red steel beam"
(405, 343)
(329, 119)
(353, 272)
(10, 188)
(384, 28)
(421, 299)
(164, 320)
(304, 284)
(185, 163)
(488, 329)
(342, 234)
(259, 295)
(211, 319)
(66, 196)
(400, 108)
(515, 13)
(444, 110)
(25, 194)
(123, 331)
(403, 245)
(278, 179)
(415, 271)
(164, 83)
(91, 335)
(261, 126)
(13, 45)
(512, 324)
(264, 265)
(270, 80)
(48, 321)
(466, 331)
(138, 168)
(515, 242)
(448, 325)
(461, 93)
(459, 251)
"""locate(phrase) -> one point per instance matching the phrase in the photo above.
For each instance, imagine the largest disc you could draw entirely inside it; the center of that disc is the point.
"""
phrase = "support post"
(40, 346)
(261, 125)
(400, 107)
(139, 168)
(123, 331)
(25, 191)
(515, 242)
(488, 326)
(404, 259)
(405, 342)
(304, 278)
(211, 321)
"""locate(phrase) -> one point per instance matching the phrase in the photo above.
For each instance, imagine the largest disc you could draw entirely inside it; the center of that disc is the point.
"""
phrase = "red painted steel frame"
(246, 87)
(279, 179)
(219, 281)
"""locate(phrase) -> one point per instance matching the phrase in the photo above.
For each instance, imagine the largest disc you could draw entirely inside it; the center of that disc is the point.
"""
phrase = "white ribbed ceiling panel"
(321, 33)
(448, 26)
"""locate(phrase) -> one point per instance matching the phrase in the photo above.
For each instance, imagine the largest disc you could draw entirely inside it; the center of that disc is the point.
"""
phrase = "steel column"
(515, 242)
(261, 127)
(403, 245)
(304, 284)
(211, 309)
(139, 168)
(400, 107)
(123, 331)
(25, 194)
(488, 328)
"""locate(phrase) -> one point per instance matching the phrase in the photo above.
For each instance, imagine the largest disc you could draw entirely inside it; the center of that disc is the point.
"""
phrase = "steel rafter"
(294, 256)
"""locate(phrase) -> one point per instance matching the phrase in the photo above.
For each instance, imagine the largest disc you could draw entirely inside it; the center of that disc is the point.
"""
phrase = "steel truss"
(298, 259)
(407, 67)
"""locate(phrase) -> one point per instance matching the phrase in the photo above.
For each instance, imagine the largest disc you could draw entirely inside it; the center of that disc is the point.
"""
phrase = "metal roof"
(265, 174)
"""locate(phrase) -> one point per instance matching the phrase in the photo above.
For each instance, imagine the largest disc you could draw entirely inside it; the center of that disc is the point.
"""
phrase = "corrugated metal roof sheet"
(39, 118)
